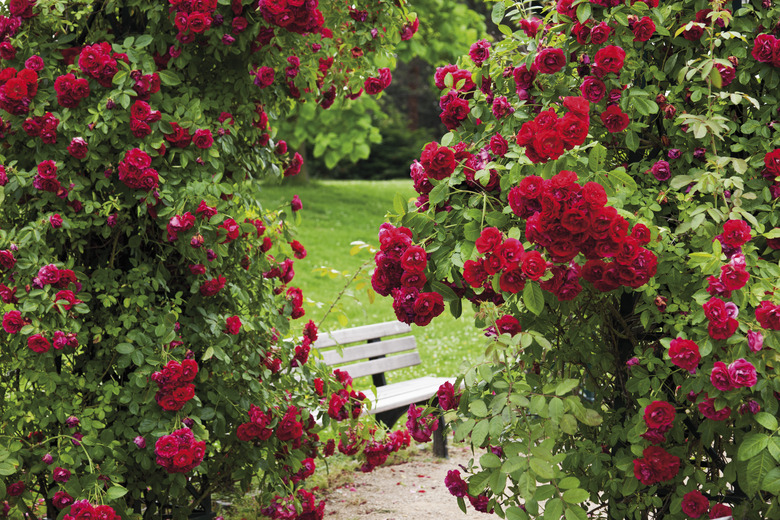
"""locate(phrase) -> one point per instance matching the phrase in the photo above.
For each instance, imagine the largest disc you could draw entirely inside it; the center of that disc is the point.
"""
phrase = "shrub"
(146, 294)
(606, 197)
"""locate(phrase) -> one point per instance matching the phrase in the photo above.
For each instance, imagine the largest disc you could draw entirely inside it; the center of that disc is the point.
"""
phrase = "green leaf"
(771, 483)
(632, 141)
(143, 41)
(478, 408)
(680, 181)
(751, 445)
(533, 297)
(479, 433)
(757, 470)
(569, 483)
(439, 193)
(566, 386)
(568, 424)
(115, 492)
(542, 468)
(597, 157)
(583, 12)
(125, 348)
(490, 460)
(168, 78)
(515, 513)
(498, 12)
(447, 138)
(513, 464)
(620, 176)
(767, 420)
(553, 509)
(575, 496)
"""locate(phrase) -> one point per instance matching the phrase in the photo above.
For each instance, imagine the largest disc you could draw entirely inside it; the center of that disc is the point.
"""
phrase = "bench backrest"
(367, 345)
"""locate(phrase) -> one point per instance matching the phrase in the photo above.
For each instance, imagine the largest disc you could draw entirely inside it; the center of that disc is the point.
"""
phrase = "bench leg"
(440, 440)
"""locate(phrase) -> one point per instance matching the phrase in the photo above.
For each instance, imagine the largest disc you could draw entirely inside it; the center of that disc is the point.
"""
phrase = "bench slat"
(378, 366)
(366, 332)
(397, 395)
(369, 350)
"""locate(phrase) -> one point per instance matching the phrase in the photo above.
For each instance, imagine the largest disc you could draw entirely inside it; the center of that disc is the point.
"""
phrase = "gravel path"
(413, 490)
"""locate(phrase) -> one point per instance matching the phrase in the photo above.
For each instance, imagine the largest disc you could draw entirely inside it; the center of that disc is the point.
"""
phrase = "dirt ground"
(413, 490)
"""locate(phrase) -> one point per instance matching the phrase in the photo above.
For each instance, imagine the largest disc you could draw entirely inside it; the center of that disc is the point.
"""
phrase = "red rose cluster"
(766, 49)
(768, 315)
(284, 508)
(175, 384)
(17, 90)
(179, 224)
(400, 271)
(772, 171)
(135, 170)
(374, 86)
(180, 137)
(179, 452)
(141, 114)
(145, 84)
(99, 62)
(655, 466)
(376, 452)
(83, 510)
(454, 103)
(659, 416)
(420, 426)
(46, 178)
(298, 17)
(70, 90)
(721, 317)
(257, 427)
(345, 402)
(548, 136)
(212, 286)
(707, 409)
(565, 219)
(739, 374)
(192, 17)
(44, 126)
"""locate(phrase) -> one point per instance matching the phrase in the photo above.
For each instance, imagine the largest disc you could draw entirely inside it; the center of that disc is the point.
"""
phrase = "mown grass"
(335, 214)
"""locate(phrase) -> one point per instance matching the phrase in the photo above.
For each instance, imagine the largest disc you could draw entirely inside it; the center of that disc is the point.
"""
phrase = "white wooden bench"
(372, 350)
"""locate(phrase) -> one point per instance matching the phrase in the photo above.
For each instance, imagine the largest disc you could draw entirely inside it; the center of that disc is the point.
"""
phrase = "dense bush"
(606, 197)
(146, 294)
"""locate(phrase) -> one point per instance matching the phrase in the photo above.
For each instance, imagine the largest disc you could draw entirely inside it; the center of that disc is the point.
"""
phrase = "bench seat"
(372, 350)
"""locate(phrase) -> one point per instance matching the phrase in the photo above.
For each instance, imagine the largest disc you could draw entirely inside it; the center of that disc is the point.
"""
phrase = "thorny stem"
(343, 290)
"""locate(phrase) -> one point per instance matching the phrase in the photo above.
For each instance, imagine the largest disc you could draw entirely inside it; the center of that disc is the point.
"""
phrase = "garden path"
(413, 490)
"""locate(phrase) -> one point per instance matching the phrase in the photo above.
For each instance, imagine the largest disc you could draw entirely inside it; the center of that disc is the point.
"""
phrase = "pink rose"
(742, 373)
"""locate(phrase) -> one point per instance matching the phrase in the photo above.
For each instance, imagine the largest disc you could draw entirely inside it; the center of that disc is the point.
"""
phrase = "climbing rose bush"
(605, 199)
(148, 302)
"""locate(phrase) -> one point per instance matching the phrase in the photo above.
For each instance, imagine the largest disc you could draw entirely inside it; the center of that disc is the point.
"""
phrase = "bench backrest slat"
(377, 366)
(366, 332)
(369, 350)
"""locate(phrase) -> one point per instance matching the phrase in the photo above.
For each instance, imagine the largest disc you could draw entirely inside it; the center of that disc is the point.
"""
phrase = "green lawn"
(337, 213)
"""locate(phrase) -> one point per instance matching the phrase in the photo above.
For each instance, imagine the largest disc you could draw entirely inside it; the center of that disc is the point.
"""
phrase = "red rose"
(47, 170)
(231, 230)
(548, 144)
(233, 325)
(213, 286)
(715, 310)
(573, 129)
(767, 314)
(614, 119)
(685, 354)
(742, 373)
(78, 148)
(763, 48)
(533, 265)
(719, 377)
(489, 240)
(643, 29)
(593, 89)
(609, 59)
(498, 145)
(427, 306)
(288, 428)
(448, 399)
(659, 414)
(707, 409)
(438, 161)
(373, 86)
(512, 281)
(723, 330)
(735, 233)
(510, 253)
(203, 138)
(13, 322)
(694, 504)
(600, 33)
(140, 110)
(414, 259)
(474, 273)
(38, 343)
(550, 60)
(719, 511)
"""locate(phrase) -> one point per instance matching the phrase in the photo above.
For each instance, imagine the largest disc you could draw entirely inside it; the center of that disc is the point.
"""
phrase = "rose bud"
(140, 442)
(196, 241)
